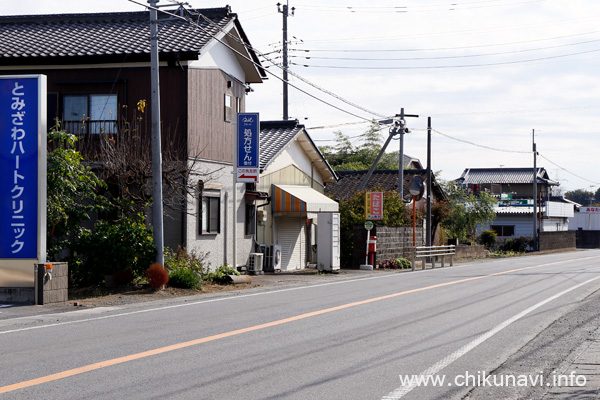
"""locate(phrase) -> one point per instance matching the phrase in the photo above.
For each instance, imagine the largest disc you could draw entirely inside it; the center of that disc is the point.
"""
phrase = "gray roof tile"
(504, 176)
(45, 37)
(387, 180)
(274, 137)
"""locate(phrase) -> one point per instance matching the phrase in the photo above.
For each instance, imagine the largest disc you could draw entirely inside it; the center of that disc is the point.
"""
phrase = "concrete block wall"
(473, 251)
(558, 240)
(397, 241)
(55, 290)
(392, 242)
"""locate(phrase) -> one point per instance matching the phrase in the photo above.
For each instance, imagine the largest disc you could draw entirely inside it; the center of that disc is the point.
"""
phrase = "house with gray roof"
(511, 181)
(98, 81)
(513, 187)
(387, 180)
(298, 225)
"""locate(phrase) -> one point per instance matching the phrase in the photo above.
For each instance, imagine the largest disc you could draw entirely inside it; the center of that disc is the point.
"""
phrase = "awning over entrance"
(290, 198)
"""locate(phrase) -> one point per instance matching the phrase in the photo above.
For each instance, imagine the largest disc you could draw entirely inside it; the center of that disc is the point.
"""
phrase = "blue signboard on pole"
(23, 166)
(248, 129)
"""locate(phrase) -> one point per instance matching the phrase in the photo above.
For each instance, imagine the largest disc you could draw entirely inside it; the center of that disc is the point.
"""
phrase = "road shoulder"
(569, 344)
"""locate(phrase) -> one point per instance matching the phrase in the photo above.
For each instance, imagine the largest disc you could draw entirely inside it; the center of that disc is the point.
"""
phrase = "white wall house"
(517, 220)
(515, 209)
(292, 222)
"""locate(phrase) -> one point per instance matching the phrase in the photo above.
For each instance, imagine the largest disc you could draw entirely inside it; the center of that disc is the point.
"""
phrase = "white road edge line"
(181, 305)
(437, 367)
(225, 298)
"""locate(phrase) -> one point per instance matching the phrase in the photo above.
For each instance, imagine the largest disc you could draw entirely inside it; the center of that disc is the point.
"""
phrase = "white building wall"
(294, 155)
(557, 209)
(523, 223)
(219, 247)
(220, 57)
(585, 221)
(555, 224)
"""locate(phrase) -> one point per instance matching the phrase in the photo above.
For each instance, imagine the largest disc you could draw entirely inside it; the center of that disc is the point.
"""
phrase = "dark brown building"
(98, 73)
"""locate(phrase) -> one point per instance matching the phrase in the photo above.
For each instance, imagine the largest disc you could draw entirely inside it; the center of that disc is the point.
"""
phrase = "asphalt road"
(347, 339)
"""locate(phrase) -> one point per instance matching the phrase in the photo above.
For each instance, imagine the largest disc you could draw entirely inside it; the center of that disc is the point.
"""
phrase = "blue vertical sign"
(22, 135)
(248, 128)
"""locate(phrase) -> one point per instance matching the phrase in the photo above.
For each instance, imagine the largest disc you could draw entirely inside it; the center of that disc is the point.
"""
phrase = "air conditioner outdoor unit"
(255, 264)
(272, 260)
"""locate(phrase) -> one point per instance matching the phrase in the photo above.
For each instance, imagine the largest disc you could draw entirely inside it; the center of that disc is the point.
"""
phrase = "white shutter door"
(291, 237)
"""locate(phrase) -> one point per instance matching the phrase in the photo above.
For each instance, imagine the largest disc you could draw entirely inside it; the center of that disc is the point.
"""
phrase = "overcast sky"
(488, 72)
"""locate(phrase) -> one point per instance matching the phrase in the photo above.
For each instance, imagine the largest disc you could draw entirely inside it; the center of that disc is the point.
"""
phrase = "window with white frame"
(210, 213)
(90, 113)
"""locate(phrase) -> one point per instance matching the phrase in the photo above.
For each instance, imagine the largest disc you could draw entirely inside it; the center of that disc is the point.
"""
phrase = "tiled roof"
(349, 182)
(275, 136)
(504, 176)
(61, 38)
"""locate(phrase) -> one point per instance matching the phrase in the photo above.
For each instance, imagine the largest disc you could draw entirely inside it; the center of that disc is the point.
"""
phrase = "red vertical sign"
(374, 206)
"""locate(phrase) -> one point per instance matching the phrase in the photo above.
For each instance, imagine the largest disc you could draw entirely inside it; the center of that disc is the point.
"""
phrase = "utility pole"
(157, 195)
(429, 187)
(535, 227)
(398, 127)
(286, 14)
(401, 155)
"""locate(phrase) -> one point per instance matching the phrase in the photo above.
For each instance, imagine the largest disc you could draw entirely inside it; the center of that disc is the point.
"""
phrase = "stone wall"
(557, 240)
(55, 290)
(392, 242)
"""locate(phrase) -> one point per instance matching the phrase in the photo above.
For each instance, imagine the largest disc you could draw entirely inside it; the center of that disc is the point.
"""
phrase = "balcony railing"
(90, 127)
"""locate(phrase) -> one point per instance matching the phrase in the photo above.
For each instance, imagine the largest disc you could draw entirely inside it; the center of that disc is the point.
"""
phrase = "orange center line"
(182, 345)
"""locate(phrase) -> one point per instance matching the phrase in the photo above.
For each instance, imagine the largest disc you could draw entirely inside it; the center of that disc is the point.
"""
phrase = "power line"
(295, 75)
(448, 57)
(444, 48)
(567, 171)
(522, 111)
(446, 34)
(514, 151)
(417, 8)
(450, 66)
(197, 25)
(337, 125)
(479, 145)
